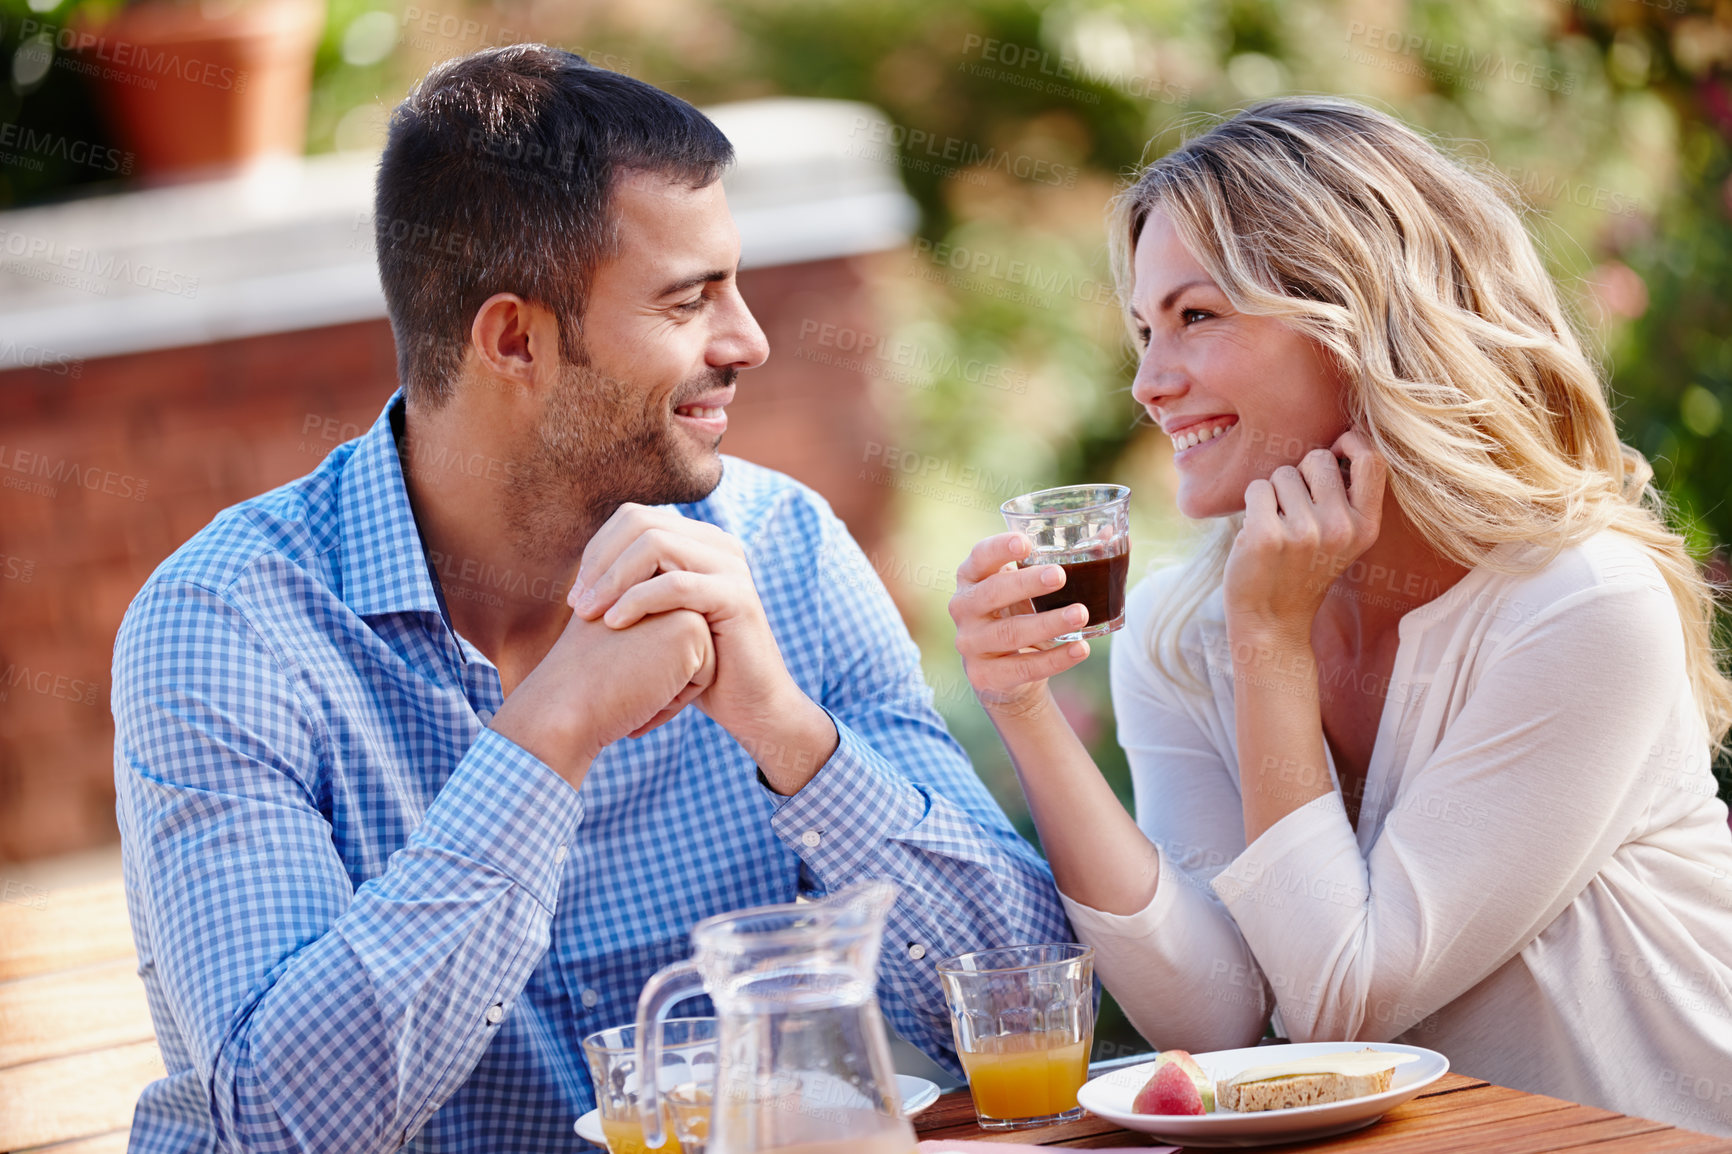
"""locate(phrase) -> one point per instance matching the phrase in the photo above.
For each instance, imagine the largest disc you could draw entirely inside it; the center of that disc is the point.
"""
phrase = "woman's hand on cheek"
(1303, 528)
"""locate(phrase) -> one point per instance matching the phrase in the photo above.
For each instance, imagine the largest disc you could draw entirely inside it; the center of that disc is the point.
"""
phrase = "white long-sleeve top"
(1540, 884)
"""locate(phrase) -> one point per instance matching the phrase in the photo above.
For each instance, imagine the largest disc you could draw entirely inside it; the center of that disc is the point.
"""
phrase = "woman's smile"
(1201, 434)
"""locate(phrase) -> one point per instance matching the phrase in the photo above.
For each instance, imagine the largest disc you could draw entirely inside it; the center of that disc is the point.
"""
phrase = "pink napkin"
(941, 1146)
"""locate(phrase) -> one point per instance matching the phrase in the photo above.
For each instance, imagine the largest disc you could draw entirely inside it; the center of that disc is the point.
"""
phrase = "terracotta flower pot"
(192, 90)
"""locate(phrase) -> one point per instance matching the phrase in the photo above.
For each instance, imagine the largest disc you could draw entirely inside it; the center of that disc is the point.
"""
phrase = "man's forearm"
(791, 742)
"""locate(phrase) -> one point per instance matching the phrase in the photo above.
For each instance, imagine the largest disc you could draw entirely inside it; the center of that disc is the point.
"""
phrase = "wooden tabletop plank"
(1535, 1138)
(1088, 1126)
(1115, 1139)
(1467, 1107)
(1402, 1133)
(954, 1108)
(114, 1142)
(44, 931)
(1451, 1082)
(76, 1097)
(1670, 1141)
(1535, 1133)
(90, 1008)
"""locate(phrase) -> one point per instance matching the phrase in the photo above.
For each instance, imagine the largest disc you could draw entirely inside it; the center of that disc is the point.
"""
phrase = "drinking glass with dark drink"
(1086, 529)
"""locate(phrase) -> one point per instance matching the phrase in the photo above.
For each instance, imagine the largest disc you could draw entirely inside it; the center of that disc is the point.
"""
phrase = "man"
(389, 856)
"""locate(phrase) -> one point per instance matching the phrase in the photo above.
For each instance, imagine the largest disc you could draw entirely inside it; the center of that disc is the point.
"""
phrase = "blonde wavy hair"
(1462, 368)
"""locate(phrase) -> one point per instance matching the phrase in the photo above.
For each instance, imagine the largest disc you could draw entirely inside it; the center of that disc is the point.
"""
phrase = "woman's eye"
(1143, 336)
(1191, 316)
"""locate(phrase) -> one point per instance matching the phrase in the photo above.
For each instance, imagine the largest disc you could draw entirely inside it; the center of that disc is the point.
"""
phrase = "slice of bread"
(1299, 1090)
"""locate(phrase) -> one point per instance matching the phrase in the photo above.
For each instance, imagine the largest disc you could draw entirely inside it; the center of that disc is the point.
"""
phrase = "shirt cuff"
(1106, 931)
(503, 807)
(1280, 888)
(849, 808)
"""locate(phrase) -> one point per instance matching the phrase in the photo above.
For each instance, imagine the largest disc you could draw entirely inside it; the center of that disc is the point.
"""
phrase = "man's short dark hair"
(496, 178)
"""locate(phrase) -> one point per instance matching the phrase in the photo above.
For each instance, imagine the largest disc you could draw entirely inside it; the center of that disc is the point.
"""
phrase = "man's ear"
(514, 339)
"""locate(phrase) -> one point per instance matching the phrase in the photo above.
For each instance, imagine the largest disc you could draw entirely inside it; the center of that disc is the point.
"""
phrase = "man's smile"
(706, 413)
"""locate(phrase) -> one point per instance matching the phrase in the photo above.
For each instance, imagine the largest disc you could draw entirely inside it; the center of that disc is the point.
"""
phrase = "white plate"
(1111, 1094)
(917, 1095)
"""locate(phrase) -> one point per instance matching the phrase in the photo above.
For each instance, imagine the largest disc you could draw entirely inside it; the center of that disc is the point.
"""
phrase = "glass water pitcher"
(803, 1063)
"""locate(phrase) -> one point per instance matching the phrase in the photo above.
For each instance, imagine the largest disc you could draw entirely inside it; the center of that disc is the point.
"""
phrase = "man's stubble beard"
(595, 448)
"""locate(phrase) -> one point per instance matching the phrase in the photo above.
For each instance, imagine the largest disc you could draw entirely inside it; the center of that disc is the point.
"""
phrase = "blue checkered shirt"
(365, 919)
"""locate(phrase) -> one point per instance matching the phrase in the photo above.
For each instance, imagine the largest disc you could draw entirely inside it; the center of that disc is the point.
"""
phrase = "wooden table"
(1456, 1115)
(76, 1040)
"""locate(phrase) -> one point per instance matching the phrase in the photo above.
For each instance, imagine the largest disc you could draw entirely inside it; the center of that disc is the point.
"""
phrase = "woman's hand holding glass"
(1098, 855)
(999, 634)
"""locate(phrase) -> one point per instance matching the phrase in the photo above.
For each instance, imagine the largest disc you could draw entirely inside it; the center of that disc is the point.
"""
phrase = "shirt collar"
(384, 565)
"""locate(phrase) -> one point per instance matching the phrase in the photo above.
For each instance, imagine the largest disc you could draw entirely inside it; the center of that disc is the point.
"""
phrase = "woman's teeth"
(698, 411)
(1197, 434)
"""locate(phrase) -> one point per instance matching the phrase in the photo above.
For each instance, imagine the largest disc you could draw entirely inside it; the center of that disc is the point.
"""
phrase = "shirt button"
(589, 998)
(916, 950)
(486, 716)
(810, 839)
(495, 1013)
(559, 854)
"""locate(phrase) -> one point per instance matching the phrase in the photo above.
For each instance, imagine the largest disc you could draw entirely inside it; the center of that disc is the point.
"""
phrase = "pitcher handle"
(668, 986)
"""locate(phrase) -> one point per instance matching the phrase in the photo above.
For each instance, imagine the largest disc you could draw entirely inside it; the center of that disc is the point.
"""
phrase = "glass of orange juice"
(1024, 1022)
(686, 1081)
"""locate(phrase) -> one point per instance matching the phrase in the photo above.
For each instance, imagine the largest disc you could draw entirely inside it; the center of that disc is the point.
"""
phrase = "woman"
(1421, 737)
